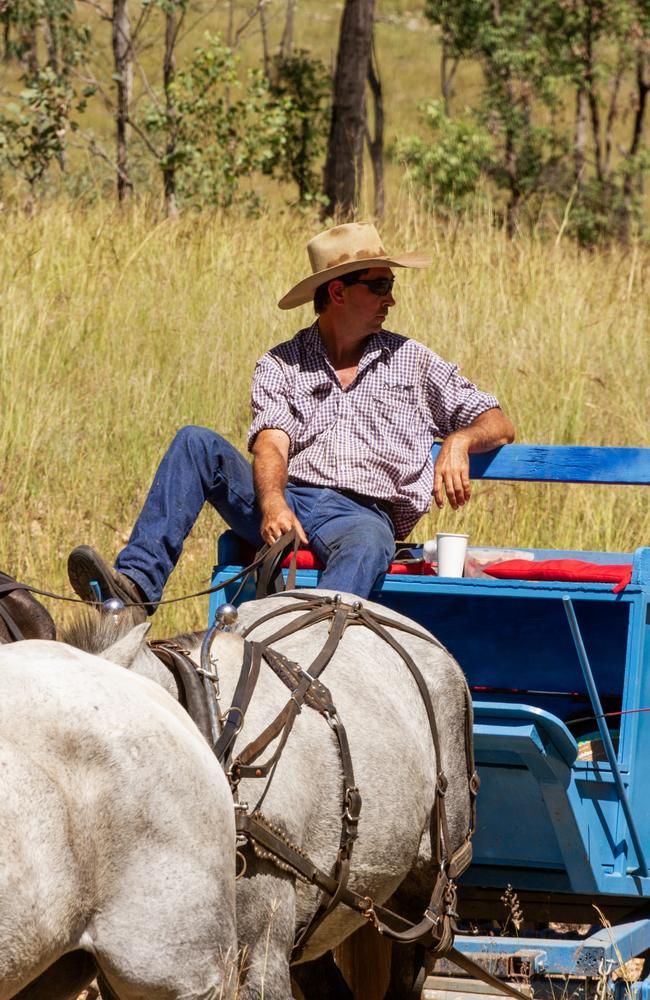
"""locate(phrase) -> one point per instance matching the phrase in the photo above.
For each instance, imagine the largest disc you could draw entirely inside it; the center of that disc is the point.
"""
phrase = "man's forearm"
(489, 430)
(269, 475)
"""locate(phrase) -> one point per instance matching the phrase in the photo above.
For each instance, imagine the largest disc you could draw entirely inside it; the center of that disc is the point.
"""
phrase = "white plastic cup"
(452, 550)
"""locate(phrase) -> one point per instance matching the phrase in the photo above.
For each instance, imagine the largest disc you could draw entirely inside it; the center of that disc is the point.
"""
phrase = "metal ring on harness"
(224, 718)
(240, 854)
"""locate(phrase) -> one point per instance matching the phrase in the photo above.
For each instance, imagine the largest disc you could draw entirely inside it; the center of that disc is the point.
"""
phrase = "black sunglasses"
(378, 286)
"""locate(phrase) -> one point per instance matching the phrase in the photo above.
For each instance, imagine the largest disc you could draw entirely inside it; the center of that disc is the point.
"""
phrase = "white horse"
(395, 768)
(117, 837)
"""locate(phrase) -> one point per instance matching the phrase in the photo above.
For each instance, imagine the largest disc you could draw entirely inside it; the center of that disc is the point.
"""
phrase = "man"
(344, 416)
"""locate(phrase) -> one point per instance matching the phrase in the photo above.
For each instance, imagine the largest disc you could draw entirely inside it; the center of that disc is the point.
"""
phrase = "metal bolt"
(227, 614)
(112, 606)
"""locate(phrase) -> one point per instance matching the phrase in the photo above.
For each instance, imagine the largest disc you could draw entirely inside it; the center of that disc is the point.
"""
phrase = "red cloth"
(562, 569)
(307, 560)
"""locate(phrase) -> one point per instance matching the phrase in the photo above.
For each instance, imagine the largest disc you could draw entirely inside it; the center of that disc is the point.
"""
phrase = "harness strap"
(288, 715)
(7, 584)
(478, 972)
(12, 625)
(284, 721)
(439, 826)
(269, 579)
(349, 833)
(310, 604)
(254, 827)
(177, 660)
(240, 701)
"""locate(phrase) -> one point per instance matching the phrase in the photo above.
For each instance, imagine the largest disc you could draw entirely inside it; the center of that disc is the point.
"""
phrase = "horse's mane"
(189, 639)
(93, 631)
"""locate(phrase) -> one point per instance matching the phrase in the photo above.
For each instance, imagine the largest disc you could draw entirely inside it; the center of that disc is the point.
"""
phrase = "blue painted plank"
(542, 463)
(568, 956)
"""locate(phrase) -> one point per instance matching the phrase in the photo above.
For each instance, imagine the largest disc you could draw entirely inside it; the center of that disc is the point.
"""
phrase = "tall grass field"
(117, 328)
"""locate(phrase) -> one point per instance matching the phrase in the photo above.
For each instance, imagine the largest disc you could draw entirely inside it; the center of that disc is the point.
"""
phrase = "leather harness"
(437, 925)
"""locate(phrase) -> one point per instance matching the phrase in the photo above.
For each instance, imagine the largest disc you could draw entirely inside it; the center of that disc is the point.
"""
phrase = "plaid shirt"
(375, 436)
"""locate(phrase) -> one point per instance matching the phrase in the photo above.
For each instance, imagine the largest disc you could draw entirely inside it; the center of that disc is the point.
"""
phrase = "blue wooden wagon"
(560, 672)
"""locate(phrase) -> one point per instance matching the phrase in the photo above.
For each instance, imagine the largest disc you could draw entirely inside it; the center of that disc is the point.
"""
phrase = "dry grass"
(118, 328)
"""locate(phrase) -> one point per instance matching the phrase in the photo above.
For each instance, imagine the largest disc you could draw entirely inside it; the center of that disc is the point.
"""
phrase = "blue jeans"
(353, 539)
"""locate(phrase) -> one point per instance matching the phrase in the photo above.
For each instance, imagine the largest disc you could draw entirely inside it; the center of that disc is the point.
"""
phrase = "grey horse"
(395, 769)
(116, 836)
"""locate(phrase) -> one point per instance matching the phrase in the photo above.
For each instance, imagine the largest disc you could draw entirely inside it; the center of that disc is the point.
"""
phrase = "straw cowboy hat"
(354, 246)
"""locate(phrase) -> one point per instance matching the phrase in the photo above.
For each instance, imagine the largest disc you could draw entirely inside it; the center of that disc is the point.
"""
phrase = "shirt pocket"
(314, 409)
(397, 413)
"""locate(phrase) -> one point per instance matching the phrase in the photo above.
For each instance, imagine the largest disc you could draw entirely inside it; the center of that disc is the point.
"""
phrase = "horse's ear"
(124, 651)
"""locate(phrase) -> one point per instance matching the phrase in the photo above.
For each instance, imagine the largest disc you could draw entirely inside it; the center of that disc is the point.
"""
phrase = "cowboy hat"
(353, 246)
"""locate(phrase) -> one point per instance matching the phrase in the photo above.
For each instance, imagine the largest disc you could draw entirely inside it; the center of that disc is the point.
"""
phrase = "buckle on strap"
(352, 803)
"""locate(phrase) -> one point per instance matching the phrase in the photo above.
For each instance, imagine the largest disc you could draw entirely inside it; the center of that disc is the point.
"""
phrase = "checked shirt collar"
(375, 346)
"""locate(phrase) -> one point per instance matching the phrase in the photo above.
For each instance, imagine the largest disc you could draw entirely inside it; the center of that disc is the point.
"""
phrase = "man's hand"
(278, 519)
(270, 460)
(451, 472)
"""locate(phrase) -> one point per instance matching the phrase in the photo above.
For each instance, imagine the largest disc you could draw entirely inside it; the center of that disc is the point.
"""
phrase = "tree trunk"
(51, 36)
(6, 36)
(580, 137)
(169, 66)
(123, 59)
(448, 69)
(612, 112)
(265, 42)
(344, 162)
(642, 87)
(230, 33)
(590, 86)
(286, 42)
(376, 142)
(51, 42)
(30, 58)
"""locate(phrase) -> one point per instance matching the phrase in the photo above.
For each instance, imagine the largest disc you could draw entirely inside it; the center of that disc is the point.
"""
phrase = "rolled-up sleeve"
(453, 400)
(270, 401)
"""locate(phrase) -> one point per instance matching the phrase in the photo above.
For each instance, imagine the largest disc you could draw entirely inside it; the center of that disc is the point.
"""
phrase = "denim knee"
(192, 436)
(371, 539)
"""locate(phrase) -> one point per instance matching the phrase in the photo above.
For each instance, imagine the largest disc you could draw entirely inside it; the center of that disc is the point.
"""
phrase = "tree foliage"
(301, 85)
(450, 167)
(227, 126)
(533, 53)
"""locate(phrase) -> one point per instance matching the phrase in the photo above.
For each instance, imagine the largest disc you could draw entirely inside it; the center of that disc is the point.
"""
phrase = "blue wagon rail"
(564, 832)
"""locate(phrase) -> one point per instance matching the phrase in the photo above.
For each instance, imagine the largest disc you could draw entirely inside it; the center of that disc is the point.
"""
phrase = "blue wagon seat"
(306, 559)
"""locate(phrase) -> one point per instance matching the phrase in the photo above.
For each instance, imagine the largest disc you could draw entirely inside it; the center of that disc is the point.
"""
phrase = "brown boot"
(85, 564)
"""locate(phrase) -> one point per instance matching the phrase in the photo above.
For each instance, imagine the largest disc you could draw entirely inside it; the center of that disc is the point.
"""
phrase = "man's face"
(364, 309)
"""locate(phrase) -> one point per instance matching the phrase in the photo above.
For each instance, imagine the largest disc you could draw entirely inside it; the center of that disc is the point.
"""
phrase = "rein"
(266, 560)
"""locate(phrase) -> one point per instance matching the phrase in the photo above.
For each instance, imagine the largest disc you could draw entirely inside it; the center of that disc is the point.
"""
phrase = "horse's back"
(112, 803)
(395, 766)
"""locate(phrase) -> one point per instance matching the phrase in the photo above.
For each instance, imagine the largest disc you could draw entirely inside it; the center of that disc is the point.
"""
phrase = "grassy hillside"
(119, 328)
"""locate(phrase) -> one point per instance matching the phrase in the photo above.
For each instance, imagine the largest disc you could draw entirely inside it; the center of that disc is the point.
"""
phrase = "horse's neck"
(148, 665)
